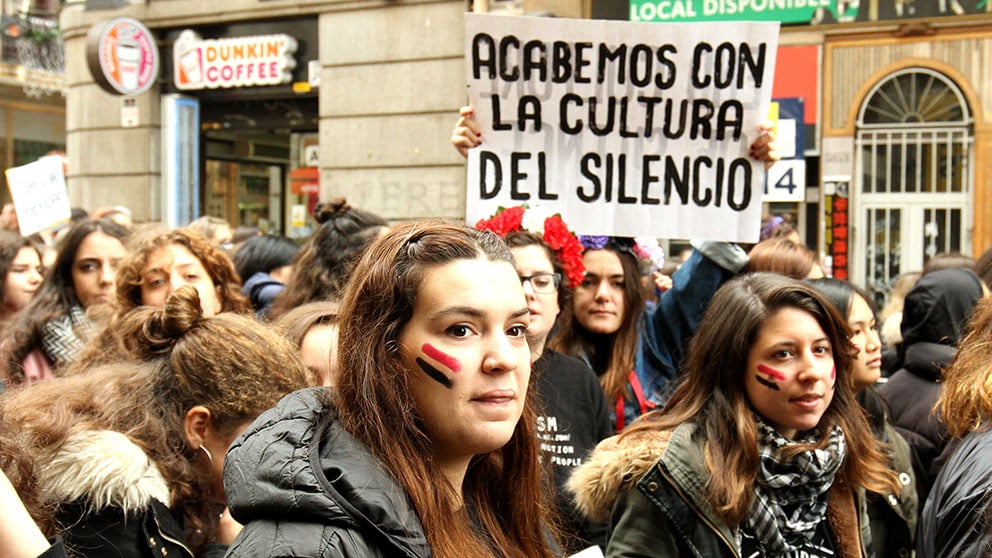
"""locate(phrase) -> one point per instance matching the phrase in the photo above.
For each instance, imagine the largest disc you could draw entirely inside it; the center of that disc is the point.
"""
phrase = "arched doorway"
(913, 180)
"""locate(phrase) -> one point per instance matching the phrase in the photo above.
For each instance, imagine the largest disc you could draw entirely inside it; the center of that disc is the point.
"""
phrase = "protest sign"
(628, 129)
(39, 194)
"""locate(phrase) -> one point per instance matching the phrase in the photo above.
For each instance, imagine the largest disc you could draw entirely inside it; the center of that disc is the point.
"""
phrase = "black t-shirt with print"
(572, 418)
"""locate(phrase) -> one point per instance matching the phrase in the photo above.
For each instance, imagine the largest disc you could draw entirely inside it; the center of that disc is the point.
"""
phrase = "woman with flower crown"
(573, 413)
(635, 353)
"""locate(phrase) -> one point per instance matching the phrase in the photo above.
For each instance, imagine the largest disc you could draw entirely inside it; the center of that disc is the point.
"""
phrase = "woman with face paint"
(762, 449)
(893, 516)
(574, 415)
(428, 447)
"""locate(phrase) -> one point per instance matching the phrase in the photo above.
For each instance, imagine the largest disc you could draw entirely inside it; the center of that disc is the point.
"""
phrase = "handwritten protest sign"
(629, 129)
(39, 194)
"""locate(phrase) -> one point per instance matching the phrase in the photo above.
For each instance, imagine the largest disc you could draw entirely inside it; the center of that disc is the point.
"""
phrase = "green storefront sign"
(785, 11)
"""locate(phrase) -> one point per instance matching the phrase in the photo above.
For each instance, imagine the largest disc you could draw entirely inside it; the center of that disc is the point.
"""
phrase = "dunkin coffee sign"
(238, 62)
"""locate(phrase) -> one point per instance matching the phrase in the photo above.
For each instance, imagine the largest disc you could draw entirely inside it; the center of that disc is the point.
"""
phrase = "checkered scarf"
(790, 495)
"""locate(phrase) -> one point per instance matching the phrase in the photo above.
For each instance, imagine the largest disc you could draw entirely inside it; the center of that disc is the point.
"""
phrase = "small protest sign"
(629, 129)
(39, 194)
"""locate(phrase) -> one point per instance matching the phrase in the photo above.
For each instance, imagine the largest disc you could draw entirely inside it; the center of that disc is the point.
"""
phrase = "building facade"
(895, 133)
(32, 83)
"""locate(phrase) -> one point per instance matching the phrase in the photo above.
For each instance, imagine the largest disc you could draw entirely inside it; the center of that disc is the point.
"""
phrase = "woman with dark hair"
(325, 261)
(762, 449)
(428, 445)
(637, 352)
(130, 454)
(892, 516)
(265, 264)
(21, 274)
(52, 330)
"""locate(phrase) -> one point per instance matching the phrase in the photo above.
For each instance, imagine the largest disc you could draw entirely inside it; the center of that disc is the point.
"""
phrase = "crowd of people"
(505, 389)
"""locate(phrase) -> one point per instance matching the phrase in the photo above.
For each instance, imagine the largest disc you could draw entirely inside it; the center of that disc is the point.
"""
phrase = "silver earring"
(206, 451)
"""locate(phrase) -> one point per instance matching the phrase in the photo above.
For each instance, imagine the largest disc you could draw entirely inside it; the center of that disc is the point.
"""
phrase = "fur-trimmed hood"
(614, 466)
(103, 469)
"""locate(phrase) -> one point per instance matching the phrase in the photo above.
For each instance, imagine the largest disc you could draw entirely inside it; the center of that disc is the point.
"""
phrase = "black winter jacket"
(956, 520)
(302, 486)
(935, 316)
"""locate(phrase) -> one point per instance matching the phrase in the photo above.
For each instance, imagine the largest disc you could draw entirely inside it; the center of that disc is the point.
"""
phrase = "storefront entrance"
(245, 179)
(913, 185)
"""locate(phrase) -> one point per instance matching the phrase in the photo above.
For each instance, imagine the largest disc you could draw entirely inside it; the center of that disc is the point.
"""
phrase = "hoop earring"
(209, 457)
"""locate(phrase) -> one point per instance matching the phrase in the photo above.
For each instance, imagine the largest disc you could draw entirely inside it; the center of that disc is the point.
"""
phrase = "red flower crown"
(555, 234)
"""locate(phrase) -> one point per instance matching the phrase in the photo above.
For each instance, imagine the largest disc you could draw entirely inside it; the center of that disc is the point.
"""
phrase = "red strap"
(642, 402)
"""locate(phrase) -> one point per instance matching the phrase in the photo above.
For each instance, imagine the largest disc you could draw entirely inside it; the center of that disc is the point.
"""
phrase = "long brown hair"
(376, 406)
(54, 299)
(711, 392)
(611, 356)
(230, 364)
(966, 392)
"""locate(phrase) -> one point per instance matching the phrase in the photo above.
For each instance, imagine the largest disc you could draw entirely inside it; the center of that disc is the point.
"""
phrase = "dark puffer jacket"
(302, 486)
(934, 319)
(955, 521)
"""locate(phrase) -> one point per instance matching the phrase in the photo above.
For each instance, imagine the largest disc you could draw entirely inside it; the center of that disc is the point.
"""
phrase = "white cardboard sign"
(39, 194)
(627, 129)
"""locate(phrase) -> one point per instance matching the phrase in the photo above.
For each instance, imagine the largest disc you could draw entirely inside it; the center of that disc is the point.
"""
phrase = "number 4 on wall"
(786, 181)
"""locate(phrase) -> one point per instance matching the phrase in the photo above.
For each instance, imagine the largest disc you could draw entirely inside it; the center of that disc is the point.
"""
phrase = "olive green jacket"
(651, 488)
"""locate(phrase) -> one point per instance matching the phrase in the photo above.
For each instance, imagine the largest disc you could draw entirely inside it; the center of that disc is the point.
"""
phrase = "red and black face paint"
(440, 356)
(769, 371)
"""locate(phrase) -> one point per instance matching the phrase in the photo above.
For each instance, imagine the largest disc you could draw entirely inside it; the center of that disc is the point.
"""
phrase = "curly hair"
(230, 364)
(324, 263)
(150, 239)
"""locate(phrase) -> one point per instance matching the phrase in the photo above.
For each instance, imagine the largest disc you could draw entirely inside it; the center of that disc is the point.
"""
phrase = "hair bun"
(333, 209)
(165, 326)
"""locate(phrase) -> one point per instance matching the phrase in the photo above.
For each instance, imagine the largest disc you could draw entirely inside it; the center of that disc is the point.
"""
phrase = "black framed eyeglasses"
(542, 283)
